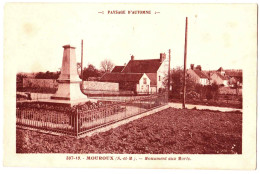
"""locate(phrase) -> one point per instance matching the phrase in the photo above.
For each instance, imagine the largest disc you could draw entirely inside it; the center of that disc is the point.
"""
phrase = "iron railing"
(78, 121)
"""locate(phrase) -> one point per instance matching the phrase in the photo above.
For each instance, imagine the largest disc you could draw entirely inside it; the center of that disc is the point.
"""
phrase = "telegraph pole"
(185, 57)
(82, 60)
(169, 72)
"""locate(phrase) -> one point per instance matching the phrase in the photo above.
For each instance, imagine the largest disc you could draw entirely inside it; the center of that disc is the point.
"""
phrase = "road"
(214, 108)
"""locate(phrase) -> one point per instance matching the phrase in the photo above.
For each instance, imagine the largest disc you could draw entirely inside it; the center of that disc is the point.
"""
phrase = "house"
(235, 76)
(219, 77)
(154, 69)
(138, 82)
(197, 75)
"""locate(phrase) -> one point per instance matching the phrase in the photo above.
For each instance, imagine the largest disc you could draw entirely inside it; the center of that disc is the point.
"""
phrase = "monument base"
(69, 93)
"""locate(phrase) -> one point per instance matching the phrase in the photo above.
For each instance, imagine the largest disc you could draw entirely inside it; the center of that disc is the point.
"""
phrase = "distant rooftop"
(121, 77)
(142, 66)
(201, 74)
(117, 69)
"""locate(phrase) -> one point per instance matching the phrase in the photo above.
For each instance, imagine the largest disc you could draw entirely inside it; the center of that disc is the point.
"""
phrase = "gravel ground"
(171, 131)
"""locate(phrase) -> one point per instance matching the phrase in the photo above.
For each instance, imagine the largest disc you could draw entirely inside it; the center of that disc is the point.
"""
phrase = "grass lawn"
(171, 131)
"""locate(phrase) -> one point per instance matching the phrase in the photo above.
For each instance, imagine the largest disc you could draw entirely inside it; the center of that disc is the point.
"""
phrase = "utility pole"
(169, 72)
(82, 60)
(185, 57)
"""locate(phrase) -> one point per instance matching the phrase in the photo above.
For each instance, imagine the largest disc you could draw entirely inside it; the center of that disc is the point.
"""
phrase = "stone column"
(69, 81)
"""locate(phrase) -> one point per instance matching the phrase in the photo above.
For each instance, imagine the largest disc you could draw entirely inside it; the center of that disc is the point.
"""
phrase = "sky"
(219, 35)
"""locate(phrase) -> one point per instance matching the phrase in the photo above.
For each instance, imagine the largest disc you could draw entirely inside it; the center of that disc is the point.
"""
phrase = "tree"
(215, 90)
(177, 82)
(19, 79)
(20, 76)
(90, 71)
(209, 92)
(106, 65)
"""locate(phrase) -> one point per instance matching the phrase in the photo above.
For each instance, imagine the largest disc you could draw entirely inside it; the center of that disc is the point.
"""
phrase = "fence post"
(125, 108)
(139, 105)
(77, 123)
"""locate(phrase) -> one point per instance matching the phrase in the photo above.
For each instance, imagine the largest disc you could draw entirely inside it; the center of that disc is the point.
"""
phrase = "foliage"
(20, 76)
(90, 71)
(177, 82)
(209, 95)
(215, 90)
(193, 90)
(47, 75)
(209, 91)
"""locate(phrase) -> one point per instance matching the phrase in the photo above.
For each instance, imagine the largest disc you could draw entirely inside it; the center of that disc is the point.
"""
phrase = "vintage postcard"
(130, 85)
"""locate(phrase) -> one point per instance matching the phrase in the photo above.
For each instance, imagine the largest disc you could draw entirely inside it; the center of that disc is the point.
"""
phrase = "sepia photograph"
(119, 85)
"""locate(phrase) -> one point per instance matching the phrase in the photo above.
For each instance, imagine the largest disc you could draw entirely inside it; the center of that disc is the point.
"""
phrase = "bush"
(209, 95)
(192, 95)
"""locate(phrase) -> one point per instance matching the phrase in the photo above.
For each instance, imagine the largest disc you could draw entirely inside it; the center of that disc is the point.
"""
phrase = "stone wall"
(35, 96)
(229, 91)
(40, 83)
(87, 85)
(100, 86)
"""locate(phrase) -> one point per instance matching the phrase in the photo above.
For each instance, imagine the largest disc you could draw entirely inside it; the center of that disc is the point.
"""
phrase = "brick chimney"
(162, 57)
(192, 66)
(132, 57)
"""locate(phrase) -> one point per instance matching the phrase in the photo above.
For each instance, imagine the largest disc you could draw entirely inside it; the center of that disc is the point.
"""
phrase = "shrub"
(209, 95)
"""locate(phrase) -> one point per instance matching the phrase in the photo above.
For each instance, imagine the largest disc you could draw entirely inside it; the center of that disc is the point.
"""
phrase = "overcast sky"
(218, 35)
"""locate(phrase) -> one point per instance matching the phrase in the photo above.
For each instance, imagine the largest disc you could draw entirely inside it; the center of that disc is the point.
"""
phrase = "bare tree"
(106, 65)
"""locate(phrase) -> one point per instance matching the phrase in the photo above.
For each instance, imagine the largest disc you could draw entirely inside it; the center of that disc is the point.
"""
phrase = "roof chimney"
(132, 57)
(198, 67)
(162, 57)
(192, 66)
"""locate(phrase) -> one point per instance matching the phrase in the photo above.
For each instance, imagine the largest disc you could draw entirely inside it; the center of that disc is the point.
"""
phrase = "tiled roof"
(153, 78)
(142, 66)
(201, 74)
(222, 76)
(220, 69)
(121, 77)
(117, 69)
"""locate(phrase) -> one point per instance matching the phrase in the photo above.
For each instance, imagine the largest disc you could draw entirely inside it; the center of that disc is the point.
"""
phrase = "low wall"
(229, 91)
(100, 86)
(88, 85)
(40, 83)
(35, 96)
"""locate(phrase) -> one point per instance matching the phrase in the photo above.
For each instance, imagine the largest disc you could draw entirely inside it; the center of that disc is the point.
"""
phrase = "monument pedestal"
(69, 91)
(69, 82)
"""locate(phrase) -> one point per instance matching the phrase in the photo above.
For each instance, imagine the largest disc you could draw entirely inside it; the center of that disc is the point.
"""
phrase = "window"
(145, 81)
(159, 78)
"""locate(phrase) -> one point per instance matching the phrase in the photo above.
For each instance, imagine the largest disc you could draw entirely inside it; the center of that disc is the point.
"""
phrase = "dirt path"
(200, 107)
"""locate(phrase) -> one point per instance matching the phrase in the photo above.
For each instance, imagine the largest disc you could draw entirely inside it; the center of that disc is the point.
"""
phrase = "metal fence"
(79, 121)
